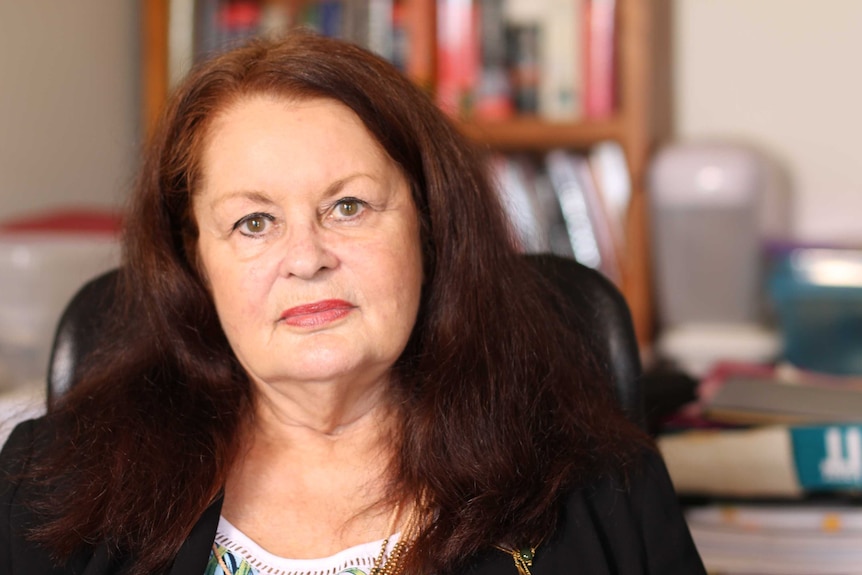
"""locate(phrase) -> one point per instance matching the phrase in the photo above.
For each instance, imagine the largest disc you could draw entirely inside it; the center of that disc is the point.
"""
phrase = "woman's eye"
(348, 208)
(254, 224)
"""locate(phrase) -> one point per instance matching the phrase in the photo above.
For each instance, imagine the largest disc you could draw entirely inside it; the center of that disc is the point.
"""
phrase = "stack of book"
(767, 539)
(772, 456)
(762, 432)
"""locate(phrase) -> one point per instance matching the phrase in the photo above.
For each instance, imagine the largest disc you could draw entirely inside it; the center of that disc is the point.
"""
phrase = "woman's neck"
(330, 408)
(329, 472)
(320, 425)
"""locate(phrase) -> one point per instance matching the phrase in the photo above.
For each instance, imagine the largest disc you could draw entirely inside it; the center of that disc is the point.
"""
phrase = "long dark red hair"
(502, 408)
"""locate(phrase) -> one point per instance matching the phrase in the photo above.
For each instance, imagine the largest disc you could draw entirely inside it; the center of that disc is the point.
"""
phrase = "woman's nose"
(305, 252)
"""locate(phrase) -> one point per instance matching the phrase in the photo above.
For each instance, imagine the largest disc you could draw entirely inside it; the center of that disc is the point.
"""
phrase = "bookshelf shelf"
(641, 120)
(534, 134)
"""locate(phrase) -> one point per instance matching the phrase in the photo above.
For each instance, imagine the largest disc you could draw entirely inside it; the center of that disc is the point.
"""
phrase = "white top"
(242, 556)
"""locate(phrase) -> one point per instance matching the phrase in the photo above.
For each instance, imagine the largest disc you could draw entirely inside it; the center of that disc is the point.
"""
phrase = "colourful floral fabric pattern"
(238, 565)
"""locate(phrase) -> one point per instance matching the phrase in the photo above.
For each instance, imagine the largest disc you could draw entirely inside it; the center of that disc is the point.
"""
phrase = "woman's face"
(309, 241)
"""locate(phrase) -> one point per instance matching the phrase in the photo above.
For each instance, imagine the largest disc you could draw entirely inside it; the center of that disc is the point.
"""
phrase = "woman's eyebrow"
(335, 187)
(255, 196)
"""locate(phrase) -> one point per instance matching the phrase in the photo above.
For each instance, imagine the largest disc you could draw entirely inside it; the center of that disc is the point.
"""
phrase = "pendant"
(524, 559)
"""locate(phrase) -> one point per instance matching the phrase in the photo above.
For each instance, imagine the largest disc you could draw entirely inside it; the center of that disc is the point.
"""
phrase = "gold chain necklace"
(392, 565)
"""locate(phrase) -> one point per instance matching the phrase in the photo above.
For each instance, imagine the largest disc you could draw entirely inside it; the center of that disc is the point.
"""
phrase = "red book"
(417, 17)
(457, 56)
(600, 64)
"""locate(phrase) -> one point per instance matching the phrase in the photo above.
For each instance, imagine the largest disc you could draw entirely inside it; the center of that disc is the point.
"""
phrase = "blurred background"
(753, 104)
(731, 100)
(733, 126)
(776, 73)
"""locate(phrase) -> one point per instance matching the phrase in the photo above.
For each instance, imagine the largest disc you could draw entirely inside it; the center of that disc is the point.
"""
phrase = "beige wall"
(68, 103)
(783, 75)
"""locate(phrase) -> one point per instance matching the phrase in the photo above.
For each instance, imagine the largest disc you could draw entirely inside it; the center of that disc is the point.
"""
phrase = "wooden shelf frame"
(535, 134)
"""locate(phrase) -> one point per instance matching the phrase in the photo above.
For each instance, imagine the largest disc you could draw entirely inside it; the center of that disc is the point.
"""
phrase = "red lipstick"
(317, 313)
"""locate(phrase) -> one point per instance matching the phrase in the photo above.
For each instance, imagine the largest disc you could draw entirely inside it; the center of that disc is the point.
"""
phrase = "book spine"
(380, 40)
(770, 461)
(206, 30)
(524, 64)
(598, 213)
(515, 187)
(569, 189)
(560, 97)
(494, 94)
(420, 41)
(355, 22)
(181, 40)
(239, 20)
(600, 68)
(331, 17)
(457, 56)
(400, 36)
(613, 181)
(524, 23)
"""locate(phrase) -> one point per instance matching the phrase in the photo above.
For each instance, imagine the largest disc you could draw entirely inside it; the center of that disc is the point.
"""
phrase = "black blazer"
(635, 528)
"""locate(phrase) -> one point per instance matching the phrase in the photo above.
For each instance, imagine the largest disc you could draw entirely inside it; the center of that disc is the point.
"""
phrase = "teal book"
(828, 457)
(784, 461)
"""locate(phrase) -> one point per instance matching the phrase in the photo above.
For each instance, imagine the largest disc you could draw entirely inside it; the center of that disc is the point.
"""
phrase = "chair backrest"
(79, 331)
(592, 303)
(596, 308)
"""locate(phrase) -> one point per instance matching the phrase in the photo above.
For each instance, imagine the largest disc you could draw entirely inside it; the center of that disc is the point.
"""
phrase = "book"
(181, 41)
(546, 56)
(515, 187)
(524, 64)
(355, 22)
(613, 182)
(380, 29)
(742, 399)
(494, 92)
(608, 247)
(550, 213)
(777, 461)
(419, 40)
(457, 56)
(330, 15)
(600, 58)
(586, 220)
(569, 189)
(206, 34)
(779, 539)
(237, 22)
(401, 36)
(561, 80)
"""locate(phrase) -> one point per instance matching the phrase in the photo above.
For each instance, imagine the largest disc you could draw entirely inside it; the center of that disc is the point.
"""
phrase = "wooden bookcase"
(641, 121)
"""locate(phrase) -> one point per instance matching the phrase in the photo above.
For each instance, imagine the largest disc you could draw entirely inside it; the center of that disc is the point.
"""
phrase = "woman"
(329, 358)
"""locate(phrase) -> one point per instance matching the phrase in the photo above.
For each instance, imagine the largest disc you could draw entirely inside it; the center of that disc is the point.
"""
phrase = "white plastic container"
(707, 203)
(713, 207)
(40, 274)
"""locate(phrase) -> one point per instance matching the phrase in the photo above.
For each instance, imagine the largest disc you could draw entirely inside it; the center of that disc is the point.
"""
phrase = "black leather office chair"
(592, 303)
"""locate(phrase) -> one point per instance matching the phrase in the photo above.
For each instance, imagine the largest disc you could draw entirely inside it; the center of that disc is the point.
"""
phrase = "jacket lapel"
(194, 554)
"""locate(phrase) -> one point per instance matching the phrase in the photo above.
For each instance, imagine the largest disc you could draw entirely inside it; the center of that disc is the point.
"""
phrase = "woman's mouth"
(317, 313)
